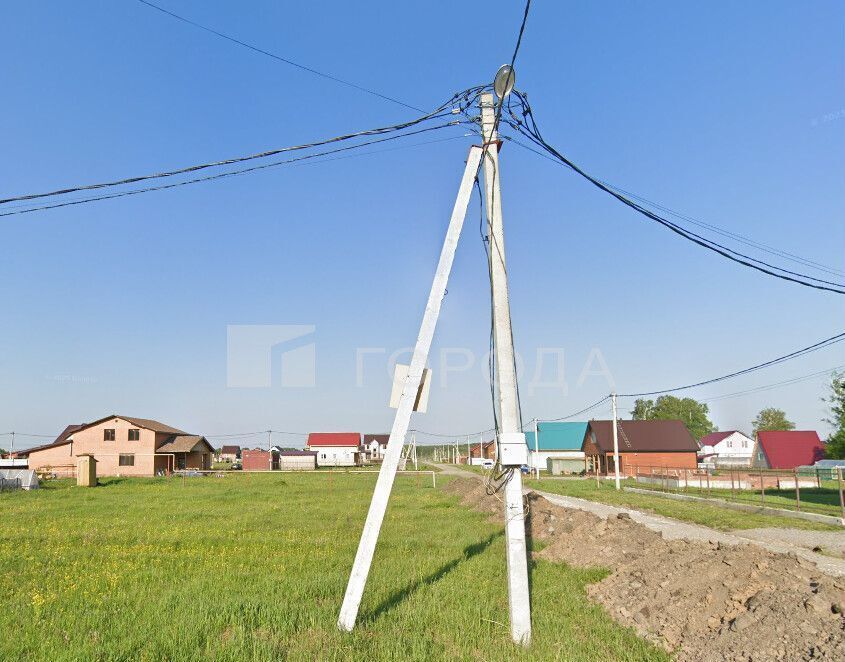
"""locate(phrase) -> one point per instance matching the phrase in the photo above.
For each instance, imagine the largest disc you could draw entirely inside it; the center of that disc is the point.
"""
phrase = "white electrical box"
(512, 449)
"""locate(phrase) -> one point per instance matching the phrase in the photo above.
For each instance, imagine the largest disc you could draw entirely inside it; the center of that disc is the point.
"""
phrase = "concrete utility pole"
(410, 391)
(536, 448)
(518, 596)
(615, 442)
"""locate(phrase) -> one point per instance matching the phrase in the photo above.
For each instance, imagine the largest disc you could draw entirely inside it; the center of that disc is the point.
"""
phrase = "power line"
(461, 99)
(577, 413)
(277, 57)
(715, 228)
(767, 387)
(827, 342)
(302, 160)
(792, 257)
(533, 134)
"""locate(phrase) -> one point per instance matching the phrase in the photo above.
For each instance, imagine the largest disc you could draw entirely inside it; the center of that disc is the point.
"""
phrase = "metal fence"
(812, 491)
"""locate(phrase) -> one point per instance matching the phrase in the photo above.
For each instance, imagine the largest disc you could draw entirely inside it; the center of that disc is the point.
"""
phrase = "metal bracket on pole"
(387, 474)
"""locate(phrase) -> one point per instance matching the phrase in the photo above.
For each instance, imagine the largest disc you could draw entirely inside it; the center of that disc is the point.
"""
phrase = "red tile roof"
(715, 437)
(787, 449)
(230, 450)
(334, 439)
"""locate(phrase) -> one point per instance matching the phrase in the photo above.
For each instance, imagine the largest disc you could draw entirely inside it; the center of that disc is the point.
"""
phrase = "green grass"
(253, 567)
(822, 501)
(713, 516)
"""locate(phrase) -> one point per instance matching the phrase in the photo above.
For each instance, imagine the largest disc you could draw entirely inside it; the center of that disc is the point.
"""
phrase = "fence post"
(708, 482)
(841, 498)
(637, 476)
(762, 489)
(797, 492)
(433, 479)
(818, 480)
(733, 495)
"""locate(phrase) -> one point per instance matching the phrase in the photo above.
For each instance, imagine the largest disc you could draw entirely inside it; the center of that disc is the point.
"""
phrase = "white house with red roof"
(335, 449)
(787, 449)
(728, 448)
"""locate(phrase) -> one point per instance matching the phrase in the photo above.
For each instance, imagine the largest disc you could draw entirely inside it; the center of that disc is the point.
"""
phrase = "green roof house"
(558, 448)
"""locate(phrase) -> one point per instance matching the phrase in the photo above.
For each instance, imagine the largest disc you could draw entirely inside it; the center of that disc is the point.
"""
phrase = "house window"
(730, 444)
(126, 461)
(134, 434)
(108, 435)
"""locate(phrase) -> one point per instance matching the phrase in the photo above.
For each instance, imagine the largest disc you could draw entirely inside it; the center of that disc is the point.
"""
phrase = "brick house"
(482, 451)
(642, 446)
(123, 446)
(259, 459)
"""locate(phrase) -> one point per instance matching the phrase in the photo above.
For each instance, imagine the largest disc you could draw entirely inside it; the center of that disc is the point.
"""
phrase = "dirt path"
(783, 541)
(700, 599)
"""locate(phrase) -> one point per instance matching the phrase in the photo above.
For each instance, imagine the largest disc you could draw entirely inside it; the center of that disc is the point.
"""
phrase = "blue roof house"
(558, 447)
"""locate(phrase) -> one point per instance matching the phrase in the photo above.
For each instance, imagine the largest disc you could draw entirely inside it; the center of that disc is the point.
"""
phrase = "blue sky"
(733, 113)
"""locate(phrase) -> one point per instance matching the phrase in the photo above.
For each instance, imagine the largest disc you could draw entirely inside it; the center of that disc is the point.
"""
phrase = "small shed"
(558, 446)
(259, 460)
(86, 471)
(298, 460)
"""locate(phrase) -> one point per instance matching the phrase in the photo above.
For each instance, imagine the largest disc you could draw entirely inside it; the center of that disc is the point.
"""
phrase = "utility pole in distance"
(615, 442)
(518, 596)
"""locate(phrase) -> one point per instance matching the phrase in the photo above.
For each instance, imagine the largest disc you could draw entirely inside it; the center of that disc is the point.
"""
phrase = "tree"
(835, 447)
(642, 409)
(694, 414)
(771, 418)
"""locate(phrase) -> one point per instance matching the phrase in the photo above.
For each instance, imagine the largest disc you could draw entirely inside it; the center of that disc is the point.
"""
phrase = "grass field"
(253, 567)
(822, 500)
(688, 511)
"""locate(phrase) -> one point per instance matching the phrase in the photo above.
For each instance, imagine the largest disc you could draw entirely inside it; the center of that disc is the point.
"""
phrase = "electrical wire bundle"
(451, 113)
(520, 117)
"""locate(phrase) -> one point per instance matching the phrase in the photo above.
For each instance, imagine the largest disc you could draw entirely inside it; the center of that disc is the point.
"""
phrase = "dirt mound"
(704, 601)
(473, 493)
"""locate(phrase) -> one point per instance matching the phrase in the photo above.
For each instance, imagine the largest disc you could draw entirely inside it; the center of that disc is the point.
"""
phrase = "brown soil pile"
(473, 493)
(704, 601)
